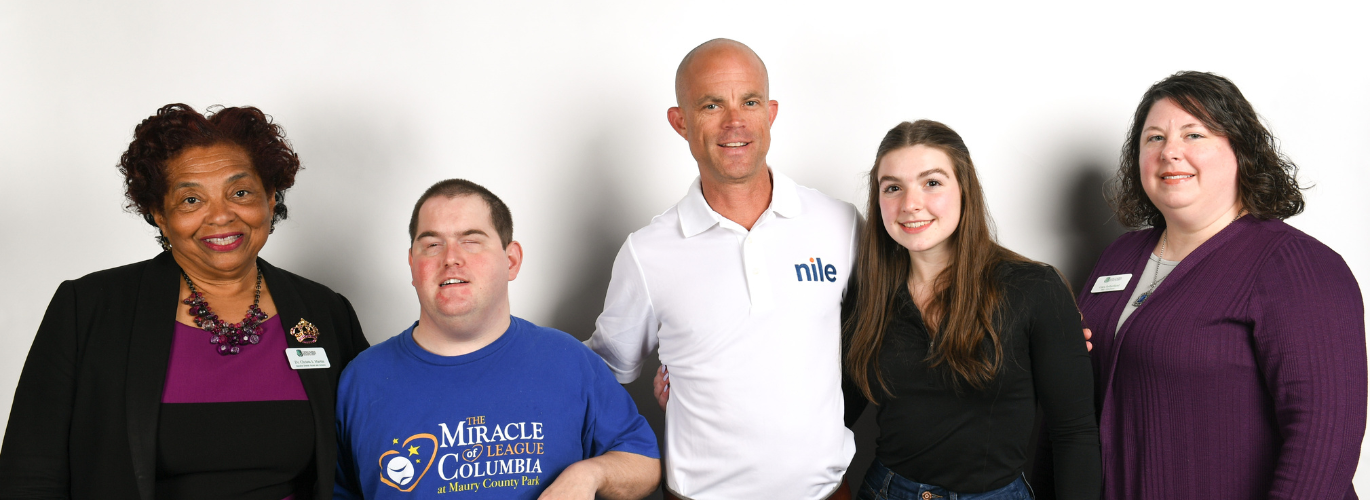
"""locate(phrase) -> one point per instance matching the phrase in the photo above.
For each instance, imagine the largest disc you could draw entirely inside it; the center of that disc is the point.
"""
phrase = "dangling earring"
(161, 239)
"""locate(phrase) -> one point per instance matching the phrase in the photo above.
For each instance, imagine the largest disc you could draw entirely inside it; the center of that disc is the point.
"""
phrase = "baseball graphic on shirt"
(400, 470)
(404, 464)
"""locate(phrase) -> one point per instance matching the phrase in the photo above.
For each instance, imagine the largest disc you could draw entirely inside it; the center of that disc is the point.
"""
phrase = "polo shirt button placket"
(749, 259)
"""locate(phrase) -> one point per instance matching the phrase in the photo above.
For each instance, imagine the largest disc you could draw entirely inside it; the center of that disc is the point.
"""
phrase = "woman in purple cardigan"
(1229, 353)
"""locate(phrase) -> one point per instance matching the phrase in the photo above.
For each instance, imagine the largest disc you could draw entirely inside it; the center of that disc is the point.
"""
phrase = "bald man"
(739, 287)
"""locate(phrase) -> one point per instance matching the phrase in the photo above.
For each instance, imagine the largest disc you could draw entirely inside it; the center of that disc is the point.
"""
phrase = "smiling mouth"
(734, 144)
(1173, 176)
(226, 240)
(452, 281)
(916, 224)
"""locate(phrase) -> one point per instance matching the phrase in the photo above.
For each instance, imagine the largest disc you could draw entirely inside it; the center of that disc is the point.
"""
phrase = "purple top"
(196, 373)
(1243, 376)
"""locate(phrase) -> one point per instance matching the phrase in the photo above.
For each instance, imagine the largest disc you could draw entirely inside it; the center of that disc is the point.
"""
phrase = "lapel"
(1166, 292)
(319, 384)
(149, 349)
(1114, 302)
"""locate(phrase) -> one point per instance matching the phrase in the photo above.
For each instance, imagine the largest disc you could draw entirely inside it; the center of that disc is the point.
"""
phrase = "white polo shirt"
(749, 324)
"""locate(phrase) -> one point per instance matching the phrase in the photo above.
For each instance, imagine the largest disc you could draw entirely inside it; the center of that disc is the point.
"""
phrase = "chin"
(453, 310)
(739, 167)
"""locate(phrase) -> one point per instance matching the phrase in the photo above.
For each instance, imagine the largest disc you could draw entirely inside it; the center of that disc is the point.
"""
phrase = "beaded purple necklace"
(228, 336)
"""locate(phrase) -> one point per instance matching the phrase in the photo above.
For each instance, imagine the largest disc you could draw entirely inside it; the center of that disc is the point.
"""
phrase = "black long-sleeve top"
(935, 431)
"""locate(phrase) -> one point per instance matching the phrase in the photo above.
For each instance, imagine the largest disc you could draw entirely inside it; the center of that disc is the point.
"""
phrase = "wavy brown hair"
(1266, 181)
(176, 127)
(960, 317)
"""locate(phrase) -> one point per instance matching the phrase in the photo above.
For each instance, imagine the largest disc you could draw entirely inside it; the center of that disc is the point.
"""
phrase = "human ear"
(515, 254)
(677, 119)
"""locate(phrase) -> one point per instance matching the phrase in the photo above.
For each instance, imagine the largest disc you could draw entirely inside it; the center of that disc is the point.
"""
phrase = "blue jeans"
(883, 484)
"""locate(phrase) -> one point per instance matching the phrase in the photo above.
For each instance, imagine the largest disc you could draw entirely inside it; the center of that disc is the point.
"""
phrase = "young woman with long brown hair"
(957, 339)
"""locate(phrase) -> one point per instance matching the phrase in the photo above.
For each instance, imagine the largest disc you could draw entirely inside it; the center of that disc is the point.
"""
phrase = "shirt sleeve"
(1063, 380)
(1309, 334)
(847, 292)
(346, 483)
(34, 462)
(854, 401)
(612, 419)
(626, 332)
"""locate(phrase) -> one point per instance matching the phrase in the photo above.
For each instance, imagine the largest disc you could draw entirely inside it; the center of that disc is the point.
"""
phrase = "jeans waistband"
(887, 484)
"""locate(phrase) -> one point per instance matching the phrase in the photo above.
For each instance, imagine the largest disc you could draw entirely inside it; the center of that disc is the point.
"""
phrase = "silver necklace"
(1156, 278)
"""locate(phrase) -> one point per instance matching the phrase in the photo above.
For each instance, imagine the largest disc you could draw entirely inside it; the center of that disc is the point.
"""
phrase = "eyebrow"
(925, 173)
(937, 170)
(230, 180)
(1182, 127)
(752, 95)
(708, 98)
(434, 234)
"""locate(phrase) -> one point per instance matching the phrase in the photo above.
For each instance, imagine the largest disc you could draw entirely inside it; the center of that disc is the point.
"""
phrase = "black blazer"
(84, 421)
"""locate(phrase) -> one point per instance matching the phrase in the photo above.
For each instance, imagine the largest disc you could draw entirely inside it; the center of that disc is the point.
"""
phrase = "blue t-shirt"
(501, 422)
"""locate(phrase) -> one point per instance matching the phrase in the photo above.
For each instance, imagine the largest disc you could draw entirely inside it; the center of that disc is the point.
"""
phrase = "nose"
(453, 256)
(1173, 150)
(912, 202)
(732, 118)
(219, 212)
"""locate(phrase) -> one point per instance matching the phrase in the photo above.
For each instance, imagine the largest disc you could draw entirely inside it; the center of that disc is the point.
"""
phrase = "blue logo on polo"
(815, 271)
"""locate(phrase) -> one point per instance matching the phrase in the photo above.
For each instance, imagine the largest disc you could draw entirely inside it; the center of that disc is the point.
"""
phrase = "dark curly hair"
(176, 127)
(1265, 177)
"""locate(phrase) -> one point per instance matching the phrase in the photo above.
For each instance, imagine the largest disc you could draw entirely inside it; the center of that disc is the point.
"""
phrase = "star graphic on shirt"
(394, 441)
(413, 450)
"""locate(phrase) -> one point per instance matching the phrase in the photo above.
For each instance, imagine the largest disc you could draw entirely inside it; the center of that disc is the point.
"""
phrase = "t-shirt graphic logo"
(815, 271)
(400, 470)
(398, 466)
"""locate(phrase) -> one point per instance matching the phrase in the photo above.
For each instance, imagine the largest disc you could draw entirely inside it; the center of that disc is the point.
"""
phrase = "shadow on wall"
(603, 226)
(1090, 226)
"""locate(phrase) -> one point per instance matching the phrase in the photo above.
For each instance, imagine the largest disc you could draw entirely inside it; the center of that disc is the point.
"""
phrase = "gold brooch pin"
(305, 332)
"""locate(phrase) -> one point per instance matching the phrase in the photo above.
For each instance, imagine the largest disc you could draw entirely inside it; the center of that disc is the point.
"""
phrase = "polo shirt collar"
(696, 216)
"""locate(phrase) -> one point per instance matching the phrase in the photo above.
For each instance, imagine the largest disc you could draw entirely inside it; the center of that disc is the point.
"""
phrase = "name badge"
(307, 358)
(1111, 283)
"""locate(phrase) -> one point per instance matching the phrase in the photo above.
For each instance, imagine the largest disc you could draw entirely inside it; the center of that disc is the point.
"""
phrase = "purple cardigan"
(1243, 376)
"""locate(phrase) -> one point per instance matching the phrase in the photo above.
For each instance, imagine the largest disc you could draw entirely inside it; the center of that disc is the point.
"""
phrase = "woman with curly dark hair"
(143, 382)
(1229, 347)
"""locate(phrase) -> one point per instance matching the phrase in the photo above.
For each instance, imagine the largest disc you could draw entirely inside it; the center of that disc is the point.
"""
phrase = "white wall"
(559, 107)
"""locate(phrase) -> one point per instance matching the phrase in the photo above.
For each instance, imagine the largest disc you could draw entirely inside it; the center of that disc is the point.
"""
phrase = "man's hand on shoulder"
(661, 386)
(614, 475)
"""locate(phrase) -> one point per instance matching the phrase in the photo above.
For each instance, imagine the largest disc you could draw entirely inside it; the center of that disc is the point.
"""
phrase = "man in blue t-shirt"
(470, 402)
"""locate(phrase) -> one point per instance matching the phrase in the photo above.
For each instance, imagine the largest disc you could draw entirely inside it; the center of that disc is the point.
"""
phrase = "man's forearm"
(614, 475)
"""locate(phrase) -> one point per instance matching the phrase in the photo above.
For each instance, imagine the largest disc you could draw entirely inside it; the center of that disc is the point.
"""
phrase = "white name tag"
(305, 358)
(1111, 283)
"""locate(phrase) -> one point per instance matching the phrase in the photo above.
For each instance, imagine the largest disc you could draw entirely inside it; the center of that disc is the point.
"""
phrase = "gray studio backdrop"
(560, 108)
